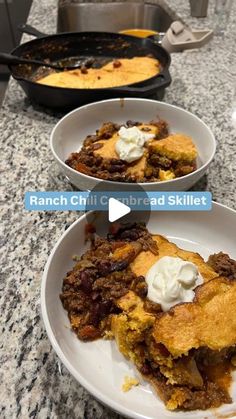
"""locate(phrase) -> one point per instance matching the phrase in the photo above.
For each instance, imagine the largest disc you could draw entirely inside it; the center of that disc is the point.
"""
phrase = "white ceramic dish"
(98, 365)
(70, 132)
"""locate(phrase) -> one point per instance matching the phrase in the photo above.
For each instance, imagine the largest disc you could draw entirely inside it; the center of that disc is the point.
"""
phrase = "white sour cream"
(130, 145)
(171, 281)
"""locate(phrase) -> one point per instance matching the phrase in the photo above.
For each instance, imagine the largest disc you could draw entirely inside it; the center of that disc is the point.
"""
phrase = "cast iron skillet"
(98, 45)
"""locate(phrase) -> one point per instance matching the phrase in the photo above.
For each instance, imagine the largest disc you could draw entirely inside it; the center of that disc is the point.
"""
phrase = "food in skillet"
(135, 152)
(169, 311)
(120, 72)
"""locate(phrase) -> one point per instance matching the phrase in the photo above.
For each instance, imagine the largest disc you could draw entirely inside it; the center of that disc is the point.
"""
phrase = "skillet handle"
(162, 80)
(30, 30)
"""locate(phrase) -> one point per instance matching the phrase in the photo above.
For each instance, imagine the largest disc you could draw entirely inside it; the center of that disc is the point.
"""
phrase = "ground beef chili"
(90, 290)
(223, 265)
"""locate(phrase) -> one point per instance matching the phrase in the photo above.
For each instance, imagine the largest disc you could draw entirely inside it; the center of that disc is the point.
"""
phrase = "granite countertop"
(33, 382)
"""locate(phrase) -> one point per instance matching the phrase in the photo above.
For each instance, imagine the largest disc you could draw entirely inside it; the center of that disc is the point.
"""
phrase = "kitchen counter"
(34, 384)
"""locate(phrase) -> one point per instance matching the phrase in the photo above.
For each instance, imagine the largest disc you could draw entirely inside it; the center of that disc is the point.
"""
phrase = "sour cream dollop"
(130, 145)
(171, 281)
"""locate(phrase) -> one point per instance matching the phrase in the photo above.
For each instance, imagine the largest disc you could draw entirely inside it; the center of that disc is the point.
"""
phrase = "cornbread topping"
(171, 281)
(122, 72)
(130, 145)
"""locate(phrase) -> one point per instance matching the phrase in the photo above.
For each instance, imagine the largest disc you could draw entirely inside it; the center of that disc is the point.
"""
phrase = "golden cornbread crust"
(145, 260)
(207, 322)
(121, 72)
(186, 353)
(176, 147)
(129, 328)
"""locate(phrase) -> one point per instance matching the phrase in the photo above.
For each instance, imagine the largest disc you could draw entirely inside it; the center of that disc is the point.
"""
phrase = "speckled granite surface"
(33, 383)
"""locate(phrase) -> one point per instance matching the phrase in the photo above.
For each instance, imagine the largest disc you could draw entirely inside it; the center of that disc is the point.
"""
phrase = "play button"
(117, 210)
(111, 202)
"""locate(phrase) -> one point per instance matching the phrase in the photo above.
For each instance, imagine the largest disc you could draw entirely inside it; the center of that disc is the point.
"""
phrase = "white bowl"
(98, 365)
(70, 132)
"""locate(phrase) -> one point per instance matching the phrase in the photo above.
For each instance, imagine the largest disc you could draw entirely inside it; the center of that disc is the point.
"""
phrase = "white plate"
(98, 365)
(70, 132)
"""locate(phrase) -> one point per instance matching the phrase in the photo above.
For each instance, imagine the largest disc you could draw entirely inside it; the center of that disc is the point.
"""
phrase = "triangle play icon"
(117, 209)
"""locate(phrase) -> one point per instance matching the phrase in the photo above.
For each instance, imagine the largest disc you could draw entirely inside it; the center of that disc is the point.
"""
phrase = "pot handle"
(162, 80)
(30, 30)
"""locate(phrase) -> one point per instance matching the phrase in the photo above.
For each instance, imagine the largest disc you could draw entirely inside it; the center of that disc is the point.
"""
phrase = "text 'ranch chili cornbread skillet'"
(99, 46)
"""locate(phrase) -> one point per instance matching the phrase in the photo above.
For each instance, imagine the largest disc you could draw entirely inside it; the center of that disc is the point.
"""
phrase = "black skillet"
(99, 45)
